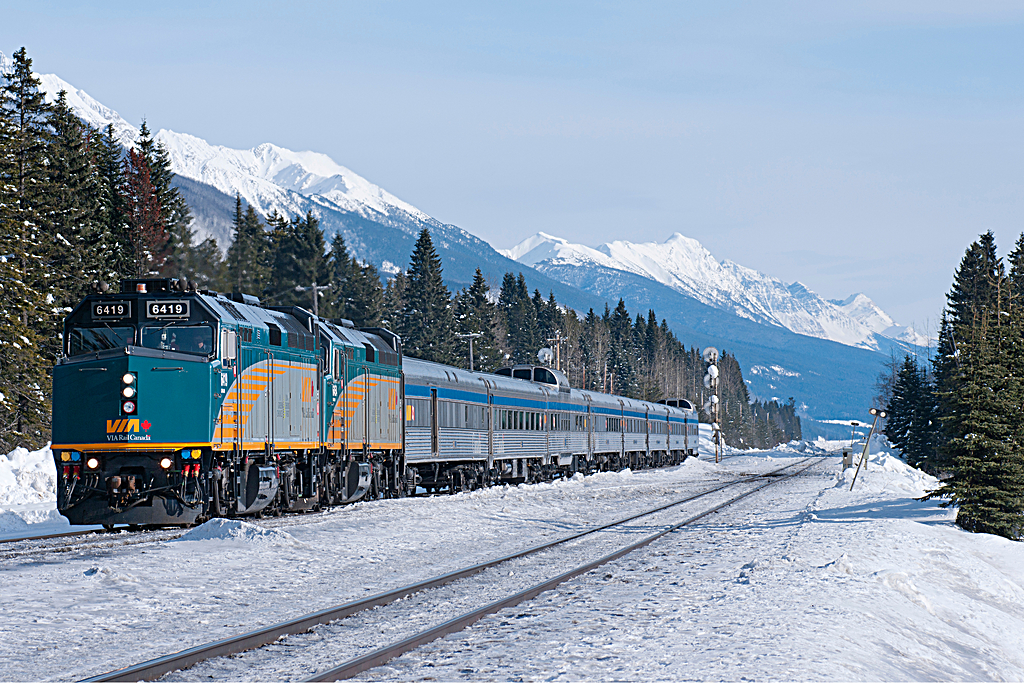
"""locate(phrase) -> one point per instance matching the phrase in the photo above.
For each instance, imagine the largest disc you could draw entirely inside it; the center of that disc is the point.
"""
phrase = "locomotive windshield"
(180, 337)
(92, 339)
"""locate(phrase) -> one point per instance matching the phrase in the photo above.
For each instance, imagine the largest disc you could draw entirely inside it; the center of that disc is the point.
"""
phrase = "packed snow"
(686, 266)
(28, 494)
(807, 580)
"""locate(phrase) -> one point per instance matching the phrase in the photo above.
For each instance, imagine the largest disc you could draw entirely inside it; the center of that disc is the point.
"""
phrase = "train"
(173, 405)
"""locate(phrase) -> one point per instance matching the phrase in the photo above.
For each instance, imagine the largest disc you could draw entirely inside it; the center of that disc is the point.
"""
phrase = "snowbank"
(27, 477)
(239, 531)
(28, 494)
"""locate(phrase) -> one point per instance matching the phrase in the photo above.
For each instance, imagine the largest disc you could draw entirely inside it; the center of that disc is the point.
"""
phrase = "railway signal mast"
(711, 406)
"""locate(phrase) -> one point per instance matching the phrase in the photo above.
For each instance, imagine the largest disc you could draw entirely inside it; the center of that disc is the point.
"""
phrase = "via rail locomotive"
(172, 405)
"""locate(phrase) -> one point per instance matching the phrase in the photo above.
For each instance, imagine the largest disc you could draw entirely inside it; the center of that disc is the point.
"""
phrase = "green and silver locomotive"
(173, 405)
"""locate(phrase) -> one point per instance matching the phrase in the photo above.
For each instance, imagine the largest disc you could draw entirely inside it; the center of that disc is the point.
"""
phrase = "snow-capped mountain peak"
(861, 308)
(268, 177)
(685, 265)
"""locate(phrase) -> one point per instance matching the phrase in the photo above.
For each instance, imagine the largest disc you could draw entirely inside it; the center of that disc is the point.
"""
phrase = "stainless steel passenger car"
(465, 429)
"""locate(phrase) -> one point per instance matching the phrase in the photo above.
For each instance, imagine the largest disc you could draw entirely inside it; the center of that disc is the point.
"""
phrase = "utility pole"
(470, 336)
(557, 339)
(316, 295)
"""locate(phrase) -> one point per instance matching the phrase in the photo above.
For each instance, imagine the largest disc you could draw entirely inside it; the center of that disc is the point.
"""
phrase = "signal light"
(65, 456)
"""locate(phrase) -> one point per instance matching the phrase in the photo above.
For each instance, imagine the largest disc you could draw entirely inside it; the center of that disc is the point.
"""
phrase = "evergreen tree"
(300, 260)
(427, 326)
(394, 302)
(249, 256)
(981, 400)
(146, 232)
(476, 314)
(520, 317)
(114, 250)
(174, 212)
(910, 419)
(26, 280)
(356, 292)
(76, 208)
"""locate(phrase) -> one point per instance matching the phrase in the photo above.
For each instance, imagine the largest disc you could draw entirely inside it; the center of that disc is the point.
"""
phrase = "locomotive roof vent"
(247, 299)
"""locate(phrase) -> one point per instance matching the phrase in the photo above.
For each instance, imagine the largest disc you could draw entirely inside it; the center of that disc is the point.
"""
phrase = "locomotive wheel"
(108, 527)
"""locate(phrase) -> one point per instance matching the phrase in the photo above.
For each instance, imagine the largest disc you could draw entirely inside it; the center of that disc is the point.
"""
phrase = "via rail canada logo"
(127, 429)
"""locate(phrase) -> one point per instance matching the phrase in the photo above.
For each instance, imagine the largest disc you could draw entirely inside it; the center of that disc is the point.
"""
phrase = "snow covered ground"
(802, 581)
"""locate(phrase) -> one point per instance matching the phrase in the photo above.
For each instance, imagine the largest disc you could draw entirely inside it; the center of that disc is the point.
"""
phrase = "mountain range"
(685, 265)
(789, 341)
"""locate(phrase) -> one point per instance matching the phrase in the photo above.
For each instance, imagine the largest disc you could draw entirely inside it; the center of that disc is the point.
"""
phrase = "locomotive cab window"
(92, 339)
(193, 339)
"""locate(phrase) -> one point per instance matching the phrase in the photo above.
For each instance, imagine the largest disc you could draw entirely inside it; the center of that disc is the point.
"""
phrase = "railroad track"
(102, 538)
(554, 570)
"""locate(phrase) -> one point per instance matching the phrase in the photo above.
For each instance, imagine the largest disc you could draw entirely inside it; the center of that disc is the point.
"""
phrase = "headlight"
(92, 463)
(128, 378)
(128, 392)
(128, 407)
(166, 463)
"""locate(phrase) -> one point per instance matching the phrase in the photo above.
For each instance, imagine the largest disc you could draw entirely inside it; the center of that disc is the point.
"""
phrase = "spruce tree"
(910, 416)
(146, 232)
(249, 256)
(427, 326)
(26, 279)
(981, 399)
(394, 302)
(175, 215)
(300, 260)
(114, 250)
(520, 317)
(476, 314)
(76, 207)
(356, 292)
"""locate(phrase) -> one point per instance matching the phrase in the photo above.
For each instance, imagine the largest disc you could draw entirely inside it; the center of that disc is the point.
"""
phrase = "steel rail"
(46, 537)
(154, 668)
(383, 655)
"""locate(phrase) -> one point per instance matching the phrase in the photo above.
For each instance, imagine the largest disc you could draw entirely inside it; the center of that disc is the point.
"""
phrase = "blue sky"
(851, 146)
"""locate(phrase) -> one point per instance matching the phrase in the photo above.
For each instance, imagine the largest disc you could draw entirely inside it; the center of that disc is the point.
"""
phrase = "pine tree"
(26, 323)
(981, 400)
(174, 212)
(520, 317)
(427, 328)
(249, 256)
(300, 260)
(910, 415)
(76, 207)
(356, 292)
(114, 250)
(394, 302)
(476, 314)
(146, 232)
